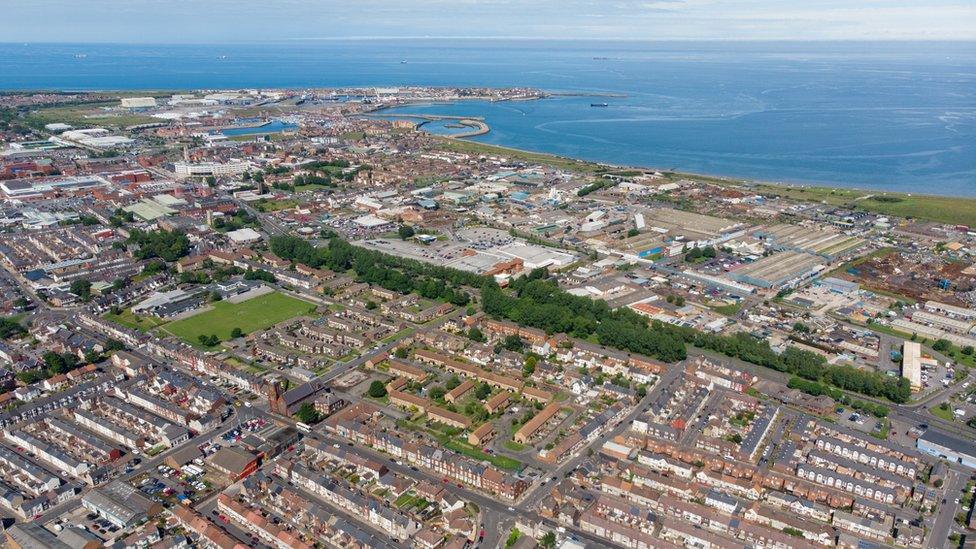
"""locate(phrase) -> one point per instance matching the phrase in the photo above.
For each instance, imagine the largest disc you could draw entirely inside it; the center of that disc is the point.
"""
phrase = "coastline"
(952, 210)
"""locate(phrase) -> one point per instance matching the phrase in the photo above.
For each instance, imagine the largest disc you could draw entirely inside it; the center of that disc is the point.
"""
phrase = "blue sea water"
(275, 126)
(895, 116)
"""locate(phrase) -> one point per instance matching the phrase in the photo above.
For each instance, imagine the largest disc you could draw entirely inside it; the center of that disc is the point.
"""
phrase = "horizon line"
(506, 38)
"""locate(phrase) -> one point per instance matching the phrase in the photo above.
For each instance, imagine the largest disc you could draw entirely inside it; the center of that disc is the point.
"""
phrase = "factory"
(778, 270)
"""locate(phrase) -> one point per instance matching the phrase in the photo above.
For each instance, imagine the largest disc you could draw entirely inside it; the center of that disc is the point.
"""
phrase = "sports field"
(254, 314)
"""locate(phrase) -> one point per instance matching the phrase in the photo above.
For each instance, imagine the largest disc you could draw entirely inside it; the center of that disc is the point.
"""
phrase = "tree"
(211, 181)
(632, 233)
(474, 334)
(475, 411)
(400, 352)
(942, 346)
(308, 414)
(405, 232)
(370, 305)
(482, 391)
(436, 392)
(168, 246)
(513, 343)
(236, 333)
(113, 345)
(377, 389)
(81, 288)
(453, 382)
(10, 328)
(529, 367)
(215, 296)
(548, 541)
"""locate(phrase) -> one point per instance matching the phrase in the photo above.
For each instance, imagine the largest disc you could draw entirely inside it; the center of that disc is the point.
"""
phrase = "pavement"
(945, 518)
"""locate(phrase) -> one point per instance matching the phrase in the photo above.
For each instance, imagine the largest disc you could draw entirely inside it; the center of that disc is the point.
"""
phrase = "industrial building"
(824, 242)
(911, 364)
(941, 445)
(777, 270)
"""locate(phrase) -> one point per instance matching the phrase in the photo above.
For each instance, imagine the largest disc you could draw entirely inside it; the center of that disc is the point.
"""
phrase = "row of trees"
(536, 301)
(387, 271)
(816, 388)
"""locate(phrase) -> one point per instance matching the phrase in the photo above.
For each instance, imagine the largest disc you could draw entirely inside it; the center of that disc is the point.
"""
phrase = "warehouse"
(824, 242)
(778, 270)
(955, 450)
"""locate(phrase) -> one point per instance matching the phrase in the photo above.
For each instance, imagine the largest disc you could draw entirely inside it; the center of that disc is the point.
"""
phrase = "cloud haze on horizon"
(192, 21)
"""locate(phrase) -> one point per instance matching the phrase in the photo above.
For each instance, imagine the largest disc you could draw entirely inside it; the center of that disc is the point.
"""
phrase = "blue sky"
(166, 21)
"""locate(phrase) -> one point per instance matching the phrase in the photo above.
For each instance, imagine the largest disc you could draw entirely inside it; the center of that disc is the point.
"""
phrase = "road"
(944, 519)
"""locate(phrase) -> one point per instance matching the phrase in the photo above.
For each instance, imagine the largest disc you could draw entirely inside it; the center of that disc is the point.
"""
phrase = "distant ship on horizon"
(599, 104)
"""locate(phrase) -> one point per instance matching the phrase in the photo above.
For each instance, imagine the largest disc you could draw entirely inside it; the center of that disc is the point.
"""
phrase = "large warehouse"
(778, 269)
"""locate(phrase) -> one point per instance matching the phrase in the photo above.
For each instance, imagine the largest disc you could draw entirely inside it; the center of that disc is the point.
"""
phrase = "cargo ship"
(599, 104)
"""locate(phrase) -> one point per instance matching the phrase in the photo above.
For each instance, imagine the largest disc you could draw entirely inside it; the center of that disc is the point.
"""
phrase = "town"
(289, 319)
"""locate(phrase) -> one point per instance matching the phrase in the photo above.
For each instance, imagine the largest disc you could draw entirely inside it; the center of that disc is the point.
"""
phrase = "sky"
(202, 21)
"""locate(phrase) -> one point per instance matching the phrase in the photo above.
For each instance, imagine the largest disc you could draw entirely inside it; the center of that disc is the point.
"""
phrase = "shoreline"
(728, 179)
(947, 209)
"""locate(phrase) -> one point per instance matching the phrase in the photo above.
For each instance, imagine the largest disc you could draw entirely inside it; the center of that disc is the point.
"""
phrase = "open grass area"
(254, 314)
(942, 413)
(943, 209)
(131, 320)
(88, 115)
(274, 205)
(731, 309)
(473, 147)
(502, 462)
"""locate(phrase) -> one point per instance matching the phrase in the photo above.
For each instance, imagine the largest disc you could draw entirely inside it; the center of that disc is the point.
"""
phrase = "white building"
(203, 169)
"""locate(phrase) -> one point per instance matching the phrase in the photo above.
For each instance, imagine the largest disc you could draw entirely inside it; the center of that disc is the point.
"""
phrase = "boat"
(599, 104)
(404, 62)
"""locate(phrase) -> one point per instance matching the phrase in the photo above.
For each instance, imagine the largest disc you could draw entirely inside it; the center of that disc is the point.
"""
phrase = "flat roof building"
(911, 364)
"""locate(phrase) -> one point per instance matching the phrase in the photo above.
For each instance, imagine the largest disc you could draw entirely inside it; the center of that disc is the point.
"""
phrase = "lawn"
(254, 314)
(502, 462)
(131, 320)
(940, 413)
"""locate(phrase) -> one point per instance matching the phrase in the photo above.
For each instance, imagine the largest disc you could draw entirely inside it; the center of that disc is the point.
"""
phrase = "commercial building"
(911, 364)
(120, 504)
(957, 450)
(203, 169)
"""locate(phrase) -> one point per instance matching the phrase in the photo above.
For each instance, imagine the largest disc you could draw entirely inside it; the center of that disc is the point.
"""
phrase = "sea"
(889, 116)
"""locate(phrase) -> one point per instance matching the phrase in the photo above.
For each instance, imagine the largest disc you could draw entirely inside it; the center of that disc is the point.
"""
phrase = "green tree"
(475, 334)
(452, 382)
(308, 414)
(377, 389)
(436, 392)
(405, 232)
(81, 288)
(236, 333)
(513, 343)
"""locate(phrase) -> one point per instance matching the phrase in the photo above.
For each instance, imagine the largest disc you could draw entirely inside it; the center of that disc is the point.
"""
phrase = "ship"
(599, 104)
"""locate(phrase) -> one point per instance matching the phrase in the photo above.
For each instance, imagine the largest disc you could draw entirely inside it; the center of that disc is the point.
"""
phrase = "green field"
(254, 314)
(87, 115)
(131, 320)
(943, 209)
